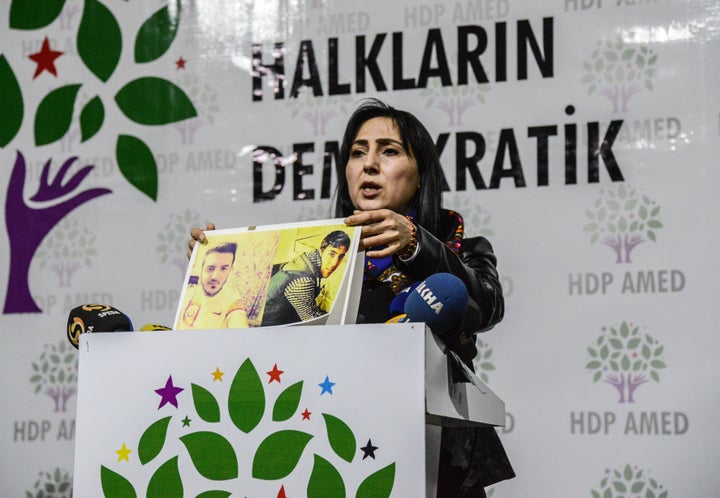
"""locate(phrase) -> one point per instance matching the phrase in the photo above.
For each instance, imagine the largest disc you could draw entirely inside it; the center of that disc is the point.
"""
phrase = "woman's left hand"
(381, 228)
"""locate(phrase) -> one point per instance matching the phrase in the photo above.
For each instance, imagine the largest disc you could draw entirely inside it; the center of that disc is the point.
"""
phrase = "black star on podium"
(369, 450)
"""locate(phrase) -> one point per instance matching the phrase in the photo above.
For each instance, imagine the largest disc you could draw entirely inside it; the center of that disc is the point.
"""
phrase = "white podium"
(316, 411)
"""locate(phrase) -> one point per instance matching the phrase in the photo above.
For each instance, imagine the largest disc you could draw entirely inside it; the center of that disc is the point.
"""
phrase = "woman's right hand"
(198, 235)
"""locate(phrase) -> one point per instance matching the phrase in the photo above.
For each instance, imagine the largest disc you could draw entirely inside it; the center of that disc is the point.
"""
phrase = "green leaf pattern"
(325, 481)
(11, 103)
(99, 40)
(206, 405)
(114, 485)
(246, 400)
(278, 454)
(152, 440)
(157, 33)
(287, 403)
(154, 101)
(166, 481)
(341, 438)
(214, 457)
(148, 100)
(34, 14)
(378, 484)
(137, 164)
(54, 114)
(91, 118)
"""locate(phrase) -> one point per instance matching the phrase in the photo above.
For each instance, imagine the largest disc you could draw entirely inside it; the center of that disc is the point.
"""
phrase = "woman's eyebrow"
(381, 141)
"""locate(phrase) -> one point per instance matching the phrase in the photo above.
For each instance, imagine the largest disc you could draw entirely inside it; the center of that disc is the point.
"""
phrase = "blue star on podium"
(326, 386)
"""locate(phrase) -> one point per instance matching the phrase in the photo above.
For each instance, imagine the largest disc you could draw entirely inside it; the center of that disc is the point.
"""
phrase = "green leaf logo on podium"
(214, 456)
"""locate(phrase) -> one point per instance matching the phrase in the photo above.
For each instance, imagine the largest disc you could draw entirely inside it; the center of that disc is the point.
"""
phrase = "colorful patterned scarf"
(384, 270)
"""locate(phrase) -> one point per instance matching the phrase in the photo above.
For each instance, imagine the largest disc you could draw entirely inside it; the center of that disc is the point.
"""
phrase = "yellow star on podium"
(217, 374)
(123, 453)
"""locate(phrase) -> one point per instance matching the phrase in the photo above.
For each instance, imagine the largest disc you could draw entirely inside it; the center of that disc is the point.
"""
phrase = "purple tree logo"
(318, 112)
(625, 359)
(617, 71)
(628, 481)
(454, 101)
(55, 374)
(56, 484)
(622, 219)
(147, 101)
(66, 249)
(173, 239)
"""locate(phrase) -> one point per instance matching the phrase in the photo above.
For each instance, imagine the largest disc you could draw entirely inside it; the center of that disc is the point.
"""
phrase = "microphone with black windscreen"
(89, 318)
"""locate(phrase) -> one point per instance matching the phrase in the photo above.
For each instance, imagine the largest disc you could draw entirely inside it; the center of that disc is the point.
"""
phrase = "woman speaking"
(392, 188)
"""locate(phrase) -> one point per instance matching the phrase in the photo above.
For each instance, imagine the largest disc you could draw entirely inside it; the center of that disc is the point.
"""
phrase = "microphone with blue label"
(438, 301)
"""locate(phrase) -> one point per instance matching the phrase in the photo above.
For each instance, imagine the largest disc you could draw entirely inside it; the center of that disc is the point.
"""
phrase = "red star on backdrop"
(306, 414)
(275, 374)
(180, 63)
(45, 59)
(281, 493)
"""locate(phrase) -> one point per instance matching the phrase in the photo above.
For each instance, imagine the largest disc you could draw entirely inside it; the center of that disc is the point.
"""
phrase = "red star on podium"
(45, 59)
(275, 374)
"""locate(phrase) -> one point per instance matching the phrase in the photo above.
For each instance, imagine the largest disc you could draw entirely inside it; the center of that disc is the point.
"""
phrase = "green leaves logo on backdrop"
(149, 100)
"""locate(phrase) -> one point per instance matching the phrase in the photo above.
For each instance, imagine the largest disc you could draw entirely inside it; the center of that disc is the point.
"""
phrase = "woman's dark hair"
(417, 142)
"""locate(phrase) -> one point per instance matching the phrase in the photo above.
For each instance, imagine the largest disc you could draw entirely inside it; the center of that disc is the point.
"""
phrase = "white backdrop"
(606, 356)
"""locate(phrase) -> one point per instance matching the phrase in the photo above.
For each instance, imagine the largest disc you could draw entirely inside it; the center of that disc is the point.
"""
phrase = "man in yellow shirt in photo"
(212, 305)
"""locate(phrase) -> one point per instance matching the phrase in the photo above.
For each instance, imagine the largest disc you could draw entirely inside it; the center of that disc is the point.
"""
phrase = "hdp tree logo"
(622, 219)
(318, 112)
(454, 101)
(625, 359)
(213, 456)
(55, 374)
(56, 484)
(617, 71)
(205, 99)
(474, 215)
(173, 238)
(146, 100)
(628, 481)
(66, 249)
(483, 360)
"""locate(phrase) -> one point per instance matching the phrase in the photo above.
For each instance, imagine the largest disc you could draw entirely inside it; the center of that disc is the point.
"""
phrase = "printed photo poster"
(276, 412)
(289, 274)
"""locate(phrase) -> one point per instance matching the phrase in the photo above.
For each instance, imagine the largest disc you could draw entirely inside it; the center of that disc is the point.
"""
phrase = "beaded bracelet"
(408, 251)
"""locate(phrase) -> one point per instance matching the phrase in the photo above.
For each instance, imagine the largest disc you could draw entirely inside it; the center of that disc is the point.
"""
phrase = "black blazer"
(470, 458)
